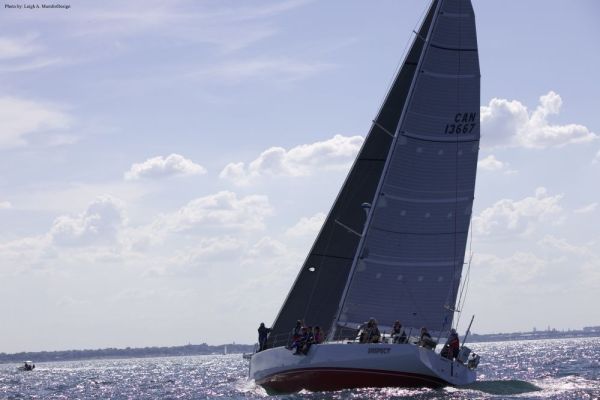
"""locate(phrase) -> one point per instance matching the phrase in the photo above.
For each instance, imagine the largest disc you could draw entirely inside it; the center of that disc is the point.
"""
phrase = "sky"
(165, 166)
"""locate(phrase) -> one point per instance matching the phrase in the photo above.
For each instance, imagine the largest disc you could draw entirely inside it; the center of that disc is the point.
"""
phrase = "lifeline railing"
(344, 334)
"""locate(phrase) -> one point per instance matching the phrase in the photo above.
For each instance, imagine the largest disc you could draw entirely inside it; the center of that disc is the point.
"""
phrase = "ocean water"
(543, 369)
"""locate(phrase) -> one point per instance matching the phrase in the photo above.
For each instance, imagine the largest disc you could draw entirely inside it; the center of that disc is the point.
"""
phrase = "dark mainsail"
(410, 259)
(401, 182)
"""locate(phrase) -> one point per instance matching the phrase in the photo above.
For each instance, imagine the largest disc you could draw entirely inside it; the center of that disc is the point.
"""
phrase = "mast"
(427, 25)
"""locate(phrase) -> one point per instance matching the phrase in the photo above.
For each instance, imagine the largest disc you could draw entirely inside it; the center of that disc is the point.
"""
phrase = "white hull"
(335, 366)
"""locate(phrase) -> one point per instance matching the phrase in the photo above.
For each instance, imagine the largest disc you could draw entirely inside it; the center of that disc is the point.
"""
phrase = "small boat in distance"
(27, 366)
(415, 178)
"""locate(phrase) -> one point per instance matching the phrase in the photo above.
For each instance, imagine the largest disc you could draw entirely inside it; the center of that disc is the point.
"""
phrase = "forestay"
(412, 250)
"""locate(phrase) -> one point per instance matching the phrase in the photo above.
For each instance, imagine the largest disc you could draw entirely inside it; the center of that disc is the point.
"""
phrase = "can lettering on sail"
(464, 122)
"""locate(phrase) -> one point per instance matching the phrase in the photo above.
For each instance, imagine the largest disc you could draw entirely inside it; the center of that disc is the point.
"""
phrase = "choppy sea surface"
(543, 369)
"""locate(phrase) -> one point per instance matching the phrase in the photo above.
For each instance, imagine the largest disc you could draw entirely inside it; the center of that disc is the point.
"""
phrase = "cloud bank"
(21, 118)
(307, 226)
(508, 216)
(302, 160)
(491, 163)
(99, 224)
(16, 47)
(163, 167)
(508, 123)
(224, 210)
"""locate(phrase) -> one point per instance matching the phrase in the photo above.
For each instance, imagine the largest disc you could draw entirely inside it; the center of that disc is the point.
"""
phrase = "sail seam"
(416, 233)
(388, 262)
(448, 76)
(413, 200)
(437, 46)
(332, 256)
(421, 138)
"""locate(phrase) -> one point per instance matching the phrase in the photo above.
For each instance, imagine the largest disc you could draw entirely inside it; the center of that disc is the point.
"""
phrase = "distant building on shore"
(591, 329)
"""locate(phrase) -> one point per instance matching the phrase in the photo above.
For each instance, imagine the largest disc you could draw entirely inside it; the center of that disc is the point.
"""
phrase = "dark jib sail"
(416, 164)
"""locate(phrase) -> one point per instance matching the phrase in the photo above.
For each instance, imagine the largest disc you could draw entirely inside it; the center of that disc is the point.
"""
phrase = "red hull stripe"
(326, 379)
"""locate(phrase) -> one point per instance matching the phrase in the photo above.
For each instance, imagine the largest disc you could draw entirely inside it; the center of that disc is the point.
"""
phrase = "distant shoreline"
(114, 353)
(205, 349)
(534, 335)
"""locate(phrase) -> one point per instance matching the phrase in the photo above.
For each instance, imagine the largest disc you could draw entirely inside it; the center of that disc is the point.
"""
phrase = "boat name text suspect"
(379, 350)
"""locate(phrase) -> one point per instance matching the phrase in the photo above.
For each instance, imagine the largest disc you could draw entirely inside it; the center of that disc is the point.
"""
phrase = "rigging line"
(404, 53)
(347, 228)
(465, 286)
(377, 124)
(462, 286)
(453, 290)
(462, 296)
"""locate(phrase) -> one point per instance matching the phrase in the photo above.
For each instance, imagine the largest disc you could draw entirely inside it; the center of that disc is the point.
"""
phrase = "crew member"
(263, 332)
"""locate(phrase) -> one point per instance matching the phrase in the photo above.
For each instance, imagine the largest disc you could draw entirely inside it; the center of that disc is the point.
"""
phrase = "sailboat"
(393, 244)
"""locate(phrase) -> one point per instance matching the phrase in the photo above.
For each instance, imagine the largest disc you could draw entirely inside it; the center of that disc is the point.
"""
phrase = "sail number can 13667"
(463, 123)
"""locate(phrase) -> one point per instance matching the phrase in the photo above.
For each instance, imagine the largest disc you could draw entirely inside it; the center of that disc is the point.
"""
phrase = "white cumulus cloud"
(208, 252)
(587, 208)
(307, 226)
(160, 167)
(563, 246)
(21, 254)
(21, 118)
(302, 160)
(24, 53)
(267, 247)
(519, 216)
(518, 268)
(99, 224)
(491, 163)
(509, 123)
(221, 210)
(261, 69)
(13, 47)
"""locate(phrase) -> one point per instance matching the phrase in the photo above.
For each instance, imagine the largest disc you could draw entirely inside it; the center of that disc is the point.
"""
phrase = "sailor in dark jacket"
(452, 346)
(263, 332)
